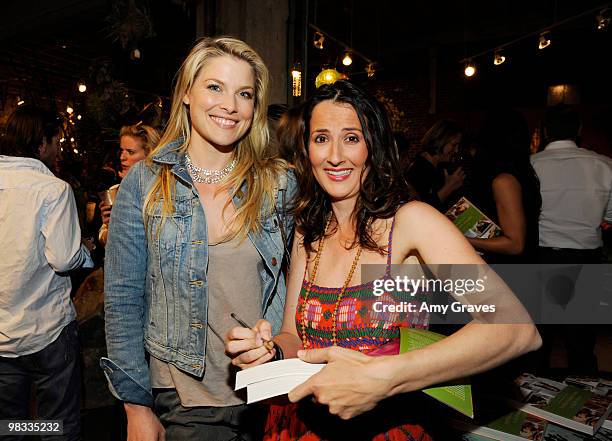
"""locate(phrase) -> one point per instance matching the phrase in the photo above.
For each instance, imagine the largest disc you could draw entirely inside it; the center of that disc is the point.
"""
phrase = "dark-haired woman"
(426, 174)
(506, 188)
(349, 212)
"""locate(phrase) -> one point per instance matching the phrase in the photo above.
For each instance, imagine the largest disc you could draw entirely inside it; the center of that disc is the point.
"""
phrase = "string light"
(79, 117)
(498, 58)
(544, 41)
(470, 69)
(69, 110)
(82, 87)
(319, 38)
(602, 20)
(347, 60)
(20, 102)
(296, 76)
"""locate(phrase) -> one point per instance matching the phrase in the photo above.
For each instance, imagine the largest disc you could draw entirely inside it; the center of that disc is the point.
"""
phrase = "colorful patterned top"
(360, 327)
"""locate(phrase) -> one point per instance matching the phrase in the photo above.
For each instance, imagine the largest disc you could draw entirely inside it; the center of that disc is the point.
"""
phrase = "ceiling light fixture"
(370, 70)
(347, 60)
(544, 40)
(498, 58)
(319, 38)
(470, 69)
(603, 19)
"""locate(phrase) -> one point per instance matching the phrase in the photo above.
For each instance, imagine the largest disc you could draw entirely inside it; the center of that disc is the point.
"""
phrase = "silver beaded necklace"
(206, 176)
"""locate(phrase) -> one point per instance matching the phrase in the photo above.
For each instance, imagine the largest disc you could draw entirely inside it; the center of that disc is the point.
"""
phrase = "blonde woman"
(196, 234)
(135, 143)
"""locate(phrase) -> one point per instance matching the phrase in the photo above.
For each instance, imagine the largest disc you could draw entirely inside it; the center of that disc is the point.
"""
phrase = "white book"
(273, 387)
(275, 378)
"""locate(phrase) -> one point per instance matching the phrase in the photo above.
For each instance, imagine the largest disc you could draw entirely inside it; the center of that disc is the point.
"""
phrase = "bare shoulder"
(424, 229)
(416, 219)
(505, 180)
(417, 213)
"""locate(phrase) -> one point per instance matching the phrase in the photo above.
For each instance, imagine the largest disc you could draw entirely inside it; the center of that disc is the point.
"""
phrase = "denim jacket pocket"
(168, 247)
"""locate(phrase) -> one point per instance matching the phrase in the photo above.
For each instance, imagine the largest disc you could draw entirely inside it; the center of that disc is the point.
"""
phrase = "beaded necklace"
(305, 343)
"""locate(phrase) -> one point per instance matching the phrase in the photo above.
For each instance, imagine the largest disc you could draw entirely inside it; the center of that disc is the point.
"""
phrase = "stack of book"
(547, 410)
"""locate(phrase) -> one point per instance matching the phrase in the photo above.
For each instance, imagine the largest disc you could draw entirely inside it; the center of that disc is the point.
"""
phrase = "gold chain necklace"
(305, 343)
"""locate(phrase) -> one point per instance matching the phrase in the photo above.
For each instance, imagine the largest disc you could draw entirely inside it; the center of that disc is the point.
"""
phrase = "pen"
(269, 344)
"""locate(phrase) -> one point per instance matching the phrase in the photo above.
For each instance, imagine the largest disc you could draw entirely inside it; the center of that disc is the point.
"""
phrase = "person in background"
(289, 126)
(576, 186)
(135, 143)
(504, 186)
(275, 113)
(40, 242)
(351, 210)
(197, 232)
(427, 175)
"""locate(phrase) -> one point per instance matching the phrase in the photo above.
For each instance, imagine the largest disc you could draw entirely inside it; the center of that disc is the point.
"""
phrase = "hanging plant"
(109, 99)
(130, 23)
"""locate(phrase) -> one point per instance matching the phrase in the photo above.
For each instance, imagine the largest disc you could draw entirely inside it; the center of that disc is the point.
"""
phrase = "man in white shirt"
(40, 241)
(576, 187)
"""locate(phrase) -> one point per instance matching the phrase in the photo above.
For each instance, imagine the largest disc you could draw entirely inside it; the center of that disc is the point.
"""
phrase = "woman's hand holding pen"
(249, 347)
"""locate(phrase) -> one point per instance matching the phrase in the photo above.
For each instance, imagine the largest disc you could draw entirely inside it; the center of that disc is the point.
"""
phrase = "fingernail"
(301, 353)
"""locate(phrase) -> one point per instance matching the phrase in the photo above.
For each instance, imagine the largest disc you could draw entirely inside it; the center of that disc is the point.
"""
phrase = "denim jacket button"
(274, 261)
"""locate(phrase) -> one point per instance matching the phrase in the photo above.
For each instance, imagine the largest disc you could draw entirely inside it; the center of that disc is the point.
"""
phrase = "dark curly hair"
(382, 191)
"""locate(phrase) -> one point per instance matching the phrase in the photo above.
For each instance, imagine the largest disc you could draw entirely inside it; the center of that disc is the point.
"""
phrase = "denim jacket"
(156, 291)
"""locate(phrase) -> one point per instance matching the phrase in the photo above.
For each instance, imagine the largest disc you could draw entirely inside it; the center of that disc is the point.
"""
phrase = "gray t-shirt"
(234, 286)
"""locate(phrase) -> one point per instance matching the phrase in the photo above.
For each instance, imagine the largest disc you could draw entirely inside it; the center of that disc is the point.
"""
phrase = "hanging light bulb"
(603, 19)
(370, 70)
(69, 110)
(470, 69)
(319, 38)
(296, 76)
(79, 117)
(20, 102)
(544, 40)
(135, 54)
(347, 60)
(498, 58)
(82, 87)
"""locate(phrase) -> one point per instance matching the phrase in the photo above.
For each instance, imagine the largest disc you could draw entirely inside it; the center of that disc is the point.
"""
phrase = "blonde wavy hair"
(256, 166)
(147, 134)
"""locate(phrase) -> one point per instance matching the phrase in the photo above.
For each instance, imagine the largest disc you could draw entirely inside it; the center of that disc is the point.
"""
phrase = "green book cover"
(512, 426)
(471, 221)
(456, 394)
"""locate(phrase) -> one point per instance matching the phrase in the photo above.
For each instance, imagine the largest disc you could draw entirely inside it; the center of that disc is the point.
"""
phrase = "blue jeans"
(56, 376)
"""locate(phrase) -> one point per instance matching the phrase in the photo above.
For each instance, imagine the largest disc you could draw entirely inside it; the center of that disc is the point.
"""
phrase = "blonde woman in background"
(135, 143)
(197, 233)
